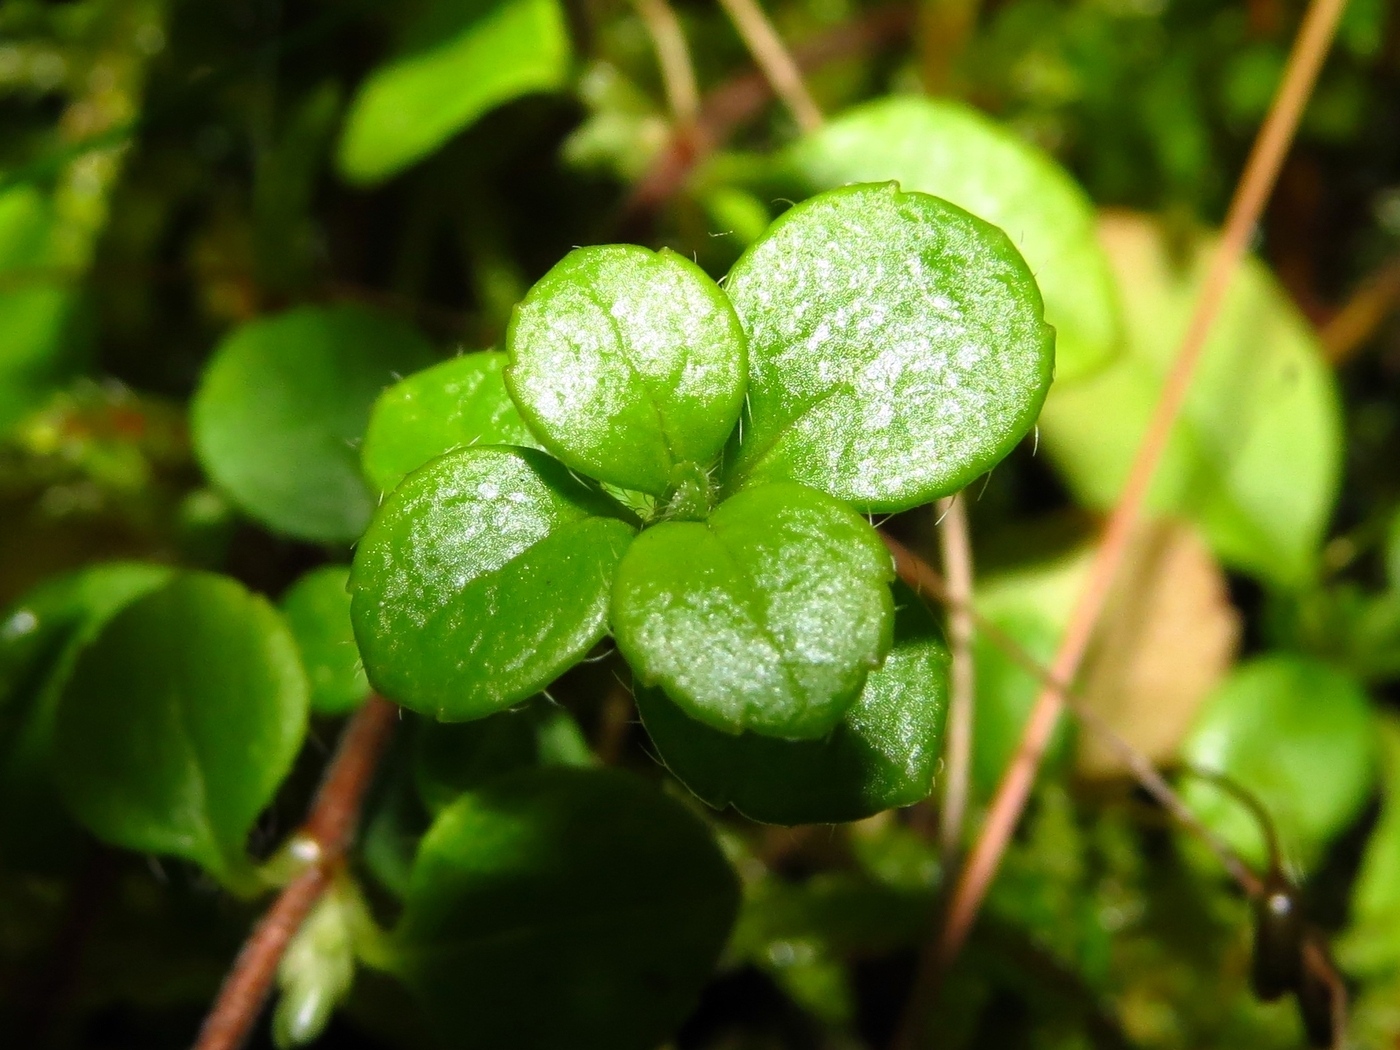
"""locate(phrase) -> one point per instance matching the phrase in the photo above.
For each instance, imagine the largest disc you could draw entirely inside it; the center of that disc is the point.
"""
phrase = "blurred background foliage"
(173, 171)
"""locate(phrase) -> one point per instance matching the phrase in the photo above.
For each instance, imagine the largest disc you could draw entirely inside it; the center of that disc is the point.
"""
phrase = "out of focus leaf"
(454, 404)
(462, 59)
(896, 348)
(317, 608)
(179, 721)
(952, 151)
(883, 753)
(587, 908)
(1372, 943)
(1255, 459)
(1296, 733)
(283, 405)
(482, 578)
(37, 304)
(1392, 553)
(317, 968)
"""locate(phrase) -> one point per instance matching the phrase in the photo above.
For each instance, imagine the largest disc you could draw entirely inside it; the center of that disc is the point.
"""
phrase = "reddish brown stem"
(324, 838)
(1261, 171)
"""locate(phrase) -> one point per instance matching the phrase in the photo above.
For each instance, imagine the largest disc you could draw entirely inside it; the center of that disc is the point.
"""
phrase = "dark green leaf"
(1300, 736)
(464, 60)
(179, 721)
(896, 348)
(883, 753)
(317, 608)
(564, 907)
(1372, 944)
(283, 405)
(629, 364)
(37, 304)
(766, 617)
(482, 578)
(454, 404)
(450, 758)
(1392, 554)
(952, 151)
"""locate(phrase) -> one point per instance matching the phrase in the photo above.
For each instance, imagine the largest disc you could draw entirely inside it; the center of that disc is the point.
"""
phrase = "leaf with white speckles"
(766, 617)
(629, 365)
(896, 348)
(481, 579)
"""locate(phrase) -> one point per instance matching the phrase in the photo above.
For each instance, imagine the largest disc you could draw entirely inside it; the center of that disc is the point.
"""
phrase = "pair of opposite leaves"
(874, 349)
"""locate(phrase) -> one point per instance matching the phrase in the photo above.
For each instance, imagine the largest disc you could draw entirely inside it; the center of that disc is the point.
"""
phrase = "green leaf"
(896, 348)
(463, 60)
(883, 752)
(481, 579)
(1392, 554)
(283, 405)
(564, 907)
(454, 404)
(1255, 459)
(629, 364)
(766, 617)
(317, 968)
(37, 307)
(451, 758)
(1299, 735)
(1372, 944)
(950, 150)
(179, 721)
(317, 608)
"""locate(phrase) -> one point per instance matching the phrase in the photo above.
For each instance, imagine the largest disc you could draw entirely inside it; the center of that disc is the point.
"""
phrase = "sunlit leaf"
(766, 617)
(586, 908)
(896, 348)
(883, 753)
(462, 59)
(1255, 459)
(179, 721)
(482, 578)
(283, 405)
(952, 151)
(629, 365)
(317, 608)
(455, 404)
(1300, 736)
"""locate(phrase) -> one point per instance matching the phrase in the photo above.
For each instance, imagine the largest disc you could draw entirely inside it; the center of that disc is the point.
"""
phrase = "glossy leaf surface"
(628, 364)
(950, 150)
(317, 608)
(461, 61)
(455, 404)
(180, 720)
(766, 617)
(1299, 735)
(896, 348)
(1255, 458)
(587, 908)
(882, 754)
(283, 406)
(482, 578)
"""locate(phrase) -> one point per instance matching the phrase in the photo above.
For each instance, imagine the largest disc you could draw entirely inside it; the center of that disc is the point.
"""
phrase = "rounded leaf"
(283, 405)
(628, 364)
(952, 151)
(317, 608)
(564, 907)
(766, 617)
(481, 579)
(896, 348)
(455, 404)
(1300, 736)
(883, 753)
(179, 721)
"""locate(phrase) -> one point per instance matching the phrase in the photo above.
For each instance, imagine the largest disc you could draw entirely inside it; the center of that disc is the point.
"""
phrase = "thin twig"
(673, 58)
(773, 58)
(1260, 174)
(1357, 320)
(322, 843)
(955, 543)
